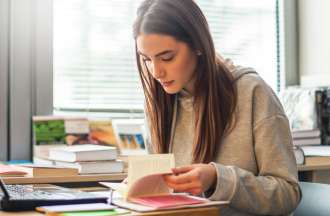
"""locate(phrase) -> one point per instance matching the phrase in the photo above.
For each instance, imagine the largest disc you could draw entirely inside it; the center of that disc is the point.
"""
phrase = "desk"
(209, 211)
(315, 172)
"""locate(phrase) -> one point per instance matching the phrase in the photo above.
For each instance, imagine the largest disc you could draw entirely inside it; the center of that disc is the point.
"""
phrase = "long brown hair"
(215, 93)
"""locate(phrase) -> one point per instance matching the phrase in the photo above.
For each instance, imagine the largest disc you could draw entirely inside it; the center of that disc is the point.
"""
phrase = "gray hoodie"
(256, 168)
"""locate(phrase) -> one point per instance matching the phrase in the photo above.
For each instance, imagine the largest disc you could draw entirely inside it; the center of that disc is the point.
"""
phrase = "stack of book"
(306, 137)
(88, 158)
(302, 138)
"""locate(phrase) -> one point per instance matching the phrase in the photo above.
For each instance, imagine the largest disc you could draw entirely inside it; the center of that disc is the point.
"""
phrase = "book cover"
(300, 107)
(102, 132)
(129, 133)
(55, 131)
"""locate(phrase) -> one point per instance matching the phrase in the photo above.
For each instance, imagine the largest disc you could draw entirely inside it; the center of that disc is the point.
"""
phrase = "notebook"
(28, 197)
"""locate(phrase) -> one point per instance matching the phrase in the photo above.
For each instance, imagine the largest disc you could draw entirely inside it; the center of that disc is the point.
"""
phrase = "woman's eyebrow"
(158, 54)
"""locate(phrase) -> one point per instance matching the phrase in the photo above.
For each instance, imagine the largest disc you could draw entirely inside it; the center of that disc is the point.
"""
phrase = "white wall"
(314, 41)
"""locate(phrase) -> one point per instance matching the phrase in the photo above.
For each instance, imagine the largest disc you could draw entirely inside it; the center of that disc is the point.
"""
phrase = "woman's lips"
(166, 84)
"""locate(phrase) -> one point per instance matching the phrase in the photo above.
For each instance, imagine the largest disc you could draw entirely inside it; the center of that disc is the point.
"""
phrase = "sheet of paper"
(149, 185)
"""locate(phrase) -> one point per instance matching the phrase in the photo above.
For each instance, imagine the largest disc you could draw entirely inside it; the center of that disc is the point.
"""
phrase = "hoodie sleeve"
(275, 189)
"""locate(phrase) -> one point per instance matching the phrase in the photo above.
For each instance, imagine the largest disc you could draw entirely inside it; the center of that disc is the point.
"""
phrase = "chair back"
(315, 200)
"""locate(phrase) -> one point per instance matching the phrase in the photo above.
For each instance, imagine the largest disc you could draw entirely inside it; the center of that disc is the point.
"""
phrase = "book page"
(149, 185)
(145, 176)
(143, 165)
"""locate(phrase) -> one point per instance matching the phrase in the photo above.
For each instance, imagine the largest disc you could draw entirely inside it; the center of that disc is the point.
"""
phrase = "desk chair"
(315, 200)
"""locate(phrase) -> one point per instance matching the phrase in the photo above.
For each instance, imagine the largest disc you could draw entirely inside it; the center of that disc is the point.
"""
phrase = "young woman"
(225, 126)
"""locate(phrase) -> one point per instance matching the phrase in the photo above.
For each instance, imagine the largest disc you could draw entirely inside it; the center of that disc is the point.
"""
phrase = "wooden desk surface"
(209, 211)
(315, 163)
(308, 167)
(78, 178)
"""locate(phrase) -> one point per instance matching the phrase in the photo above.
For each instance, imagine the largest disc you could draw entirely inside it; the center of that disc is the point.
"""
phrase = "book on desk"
(146, 189)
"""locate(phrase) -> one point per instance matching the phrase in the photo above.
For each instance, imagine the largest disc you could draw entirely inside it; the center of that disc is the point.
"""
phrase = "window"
(245, 31)
(94, 60)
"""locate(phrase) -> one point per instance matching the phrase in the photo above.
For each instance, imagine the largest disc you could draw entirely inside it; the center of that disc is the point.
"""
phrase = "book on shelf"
(54, 131)
(87, 152)
(298, 134)
(300, 107)
(130, 133)
(34, 170)
(102, 132)
(60, 130)
(95, 167)
(146, 189)
(307, 141)
(11, 171)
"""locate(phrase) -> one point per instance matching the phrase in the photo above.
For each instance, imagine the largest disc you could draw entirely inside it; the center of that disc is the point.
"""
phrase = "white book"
(307, 141)
(95, 167)
(306, 133)
(83, 152)
(320, 150)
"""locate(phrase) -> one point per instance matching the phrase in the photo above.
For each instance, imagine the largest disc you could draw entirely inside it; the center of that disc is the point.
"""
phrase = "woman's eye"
(167, 58)
(146, 60)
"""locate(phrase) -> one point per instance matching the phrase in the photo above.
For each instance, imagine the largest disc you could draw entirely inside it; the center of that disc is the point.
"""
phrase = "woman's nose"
(157, 71)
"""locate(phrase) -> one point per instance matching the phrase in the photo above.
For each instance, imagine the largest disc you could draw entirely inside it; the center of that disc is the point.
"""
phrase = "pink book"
(166, 201)
(8, 170)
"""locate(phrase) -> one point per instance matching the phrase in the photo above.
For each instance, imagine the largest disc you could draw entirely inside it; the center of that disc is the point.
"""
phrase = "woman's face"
(171, 62)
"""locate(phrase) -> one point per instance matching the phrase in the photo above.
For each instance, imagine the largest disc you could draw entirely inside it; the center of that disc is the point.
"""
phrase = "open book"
(147, 191)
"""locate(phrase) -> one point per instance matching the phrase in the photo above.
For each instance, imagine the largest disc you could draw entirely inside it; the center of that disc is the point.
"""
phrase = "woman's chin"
(171, 90)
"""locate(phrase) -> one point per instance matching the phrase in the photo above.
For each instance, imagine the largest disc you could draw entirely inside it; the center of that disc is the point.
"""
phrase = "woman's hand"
(194, 179)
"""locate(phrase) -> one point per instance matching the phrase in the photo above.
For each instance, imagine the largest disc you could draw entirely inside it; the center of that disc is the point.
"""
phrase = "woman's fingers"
(180, 179)
(186, 187)
(184, 169)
